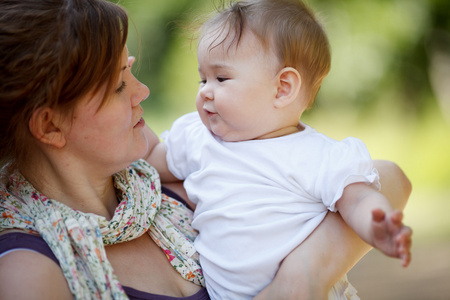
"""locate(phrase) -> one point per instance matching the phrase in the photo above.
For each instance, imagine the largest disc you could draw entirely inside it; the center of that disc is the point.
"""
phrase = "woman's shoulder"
(26, 274)
(16, 239)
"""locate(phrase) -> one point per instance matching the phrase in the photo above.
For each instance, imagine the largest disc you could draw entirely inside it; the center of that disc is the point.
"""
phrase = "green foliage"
(152, 40)
(387, 85)
(386, 50)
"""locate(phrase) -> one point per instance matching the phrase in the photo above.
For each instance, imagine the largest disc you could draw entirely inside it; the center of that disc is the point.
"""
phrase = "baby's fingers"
(378, 215)
(404, 243)
(406, 258)
(396, 217)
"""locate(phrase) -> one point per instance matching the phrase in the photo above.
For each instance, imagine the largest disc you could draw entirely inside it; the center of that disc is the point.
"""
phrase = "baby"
(261, 179)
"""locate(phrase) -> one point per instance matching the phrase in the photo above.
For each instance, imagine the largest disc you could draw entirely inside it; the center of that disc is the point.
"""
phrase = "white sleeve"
(176, 142)
(344, 163)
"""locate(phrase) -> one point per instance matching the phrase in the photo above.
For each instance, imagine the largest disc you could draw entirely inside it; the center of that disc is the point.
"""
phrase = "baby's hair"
(288, 27)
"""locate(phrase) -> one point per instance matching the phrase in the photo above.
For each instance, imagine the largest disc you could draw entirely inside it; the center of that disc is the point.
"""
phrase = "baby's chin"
(227, 134)
(221, 136)
(230, 137)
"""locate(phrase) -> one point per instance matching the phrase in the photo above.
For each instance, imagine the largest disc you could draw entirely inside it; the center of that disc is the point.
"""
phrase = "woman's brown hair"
(52, 53)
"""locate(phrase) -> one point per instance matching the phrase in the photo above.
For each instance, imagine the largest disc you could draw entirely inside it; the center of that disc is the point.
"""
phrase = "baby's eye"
(222, 79)
(203, 81)
(121, 87)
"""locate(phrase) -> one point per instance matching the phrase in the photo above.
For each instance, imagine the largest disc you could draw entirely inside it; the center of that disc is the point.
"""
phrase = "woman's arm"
(177, 188)
(156, 156)
(29, 275)
(332, 249)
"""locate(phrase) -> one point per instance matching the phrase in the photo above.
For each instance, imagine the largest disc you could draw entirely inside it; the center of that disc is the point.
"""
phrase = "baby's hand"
(390, 235)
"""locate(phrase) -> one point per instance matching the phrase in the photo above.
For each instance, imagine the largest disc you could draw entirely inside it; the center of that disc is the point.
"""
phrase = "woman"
(73, 190)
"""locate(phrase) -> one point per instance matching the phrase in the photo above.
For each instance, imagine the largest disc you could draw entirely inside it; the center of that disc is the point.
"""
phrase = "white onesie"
(257, 200)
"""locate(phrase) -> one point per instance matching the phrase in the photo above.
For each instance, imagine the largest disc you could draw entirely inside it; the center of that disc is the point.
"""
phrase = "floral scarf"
(77, 239)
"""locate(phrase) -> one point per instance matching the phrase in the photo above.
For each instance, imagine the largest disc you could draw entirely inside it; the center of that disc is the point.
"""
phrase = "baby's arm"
(156, 156)
(373, 218)
(312, 268)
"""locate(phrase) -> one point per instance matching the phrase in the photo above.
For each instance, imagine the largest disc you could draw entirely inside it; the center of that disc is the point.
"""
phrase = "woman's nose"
(140, 92)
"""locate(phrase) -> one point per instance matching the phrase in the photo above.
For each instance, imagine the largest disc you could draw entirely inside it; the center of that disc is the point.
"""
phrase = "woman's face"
(110, 137)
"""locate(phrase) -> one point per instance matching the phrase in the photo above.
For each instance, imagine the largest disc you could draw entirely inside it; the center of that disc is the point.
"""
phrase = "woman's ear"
(289, 83)
(44, 126)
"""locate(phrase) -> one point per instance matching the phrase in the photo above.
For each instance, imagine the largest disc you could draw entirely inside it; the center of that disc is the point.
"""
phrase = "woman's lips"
(140, 123)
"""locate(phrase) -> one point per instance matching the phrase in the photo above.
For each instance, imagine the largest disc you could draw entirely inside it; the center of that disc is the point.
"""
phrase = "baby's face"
(238, 86)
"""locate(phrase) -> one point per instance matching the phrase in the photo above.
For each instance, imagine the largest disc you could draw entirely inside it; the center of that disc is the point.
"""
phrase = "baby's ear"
(44, 126)
(289, 83)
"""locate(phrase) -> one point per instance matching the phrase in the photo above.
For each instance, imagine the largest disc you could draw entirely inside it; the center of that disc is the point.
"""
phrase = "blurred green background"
(389, 85)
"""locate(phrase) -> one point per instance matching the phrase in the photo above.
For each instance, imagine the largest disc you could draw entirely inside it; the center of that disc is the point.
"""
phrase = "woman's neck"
(74, 186)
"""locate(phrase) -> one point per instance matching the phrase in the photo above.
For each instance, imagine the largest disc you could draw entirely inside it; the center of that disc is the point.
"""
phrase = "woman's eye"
(121, 87)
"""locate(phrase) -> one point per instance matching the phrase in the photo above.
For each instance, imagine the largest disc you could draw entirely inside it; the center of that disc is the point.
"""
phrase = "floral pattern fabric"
(77, 239)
